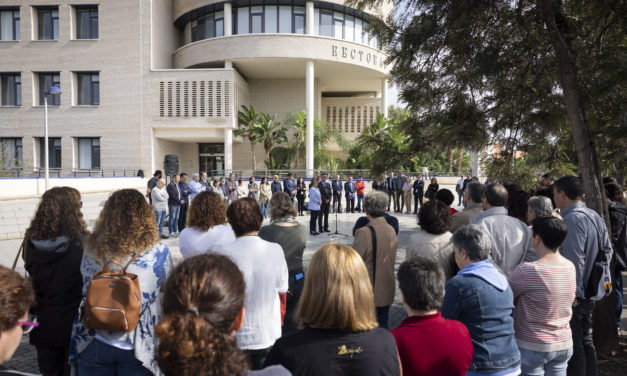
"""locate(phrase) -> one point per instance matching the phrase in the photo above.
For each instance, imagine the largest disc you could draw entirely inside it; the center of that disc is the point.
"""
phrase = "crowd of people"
(503, 287)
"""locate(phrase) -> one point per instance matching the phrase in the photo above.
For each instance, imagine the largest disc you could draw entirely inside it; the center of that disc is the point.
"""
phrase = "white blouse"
(193, 242)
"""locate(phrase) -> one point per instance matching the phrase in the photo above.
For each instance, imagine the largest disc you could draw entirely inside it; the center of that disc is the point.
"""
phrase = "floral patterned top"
(152, 267)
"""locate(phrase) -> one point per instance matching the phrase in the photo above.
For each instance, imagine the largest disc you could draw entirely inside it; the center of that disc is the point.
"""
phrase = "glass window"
(256, 20)
(89, 153)
(358, 30)
(48, 23)
(316, 22)
(87, 22)
(242, 21)
(349, 28)
(88, 89)
(271, 18)
(10, 24)
(11, 89)
(46, 80)
(12, 153)
(326, 23)
(54, 152)
(364, 34)
(285, 19)
(338, 25)
(219, 24)
(299, 20)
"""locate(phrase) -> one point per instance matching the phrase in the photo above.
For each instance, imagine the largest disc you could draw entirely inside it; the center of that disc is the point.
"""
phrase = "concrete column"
(228, 19)
(384, 97)
(228, 64)
(309, 18)
(228, 150)
(309, 101)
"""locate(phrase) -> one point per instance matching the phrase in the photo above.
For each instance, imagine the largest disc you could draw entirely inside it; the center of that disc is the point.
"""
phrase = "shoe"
(326, 230)
(171, 235)
(314, 233)
(414, 213)
(163, 236)
(352, 211)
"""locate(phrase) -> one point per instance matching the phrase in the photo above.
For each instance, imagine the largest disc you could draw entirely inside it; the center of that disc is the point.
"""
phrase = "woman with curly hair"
(53, 249)
(433, 240)
(340, 334)
(292, 237)
(203, 306)
(206, 225)
(125, 234)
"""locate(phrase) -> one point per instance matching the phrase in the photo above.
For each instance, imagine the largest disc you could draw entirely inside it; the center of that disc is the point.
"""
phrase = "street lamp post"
(52, 91)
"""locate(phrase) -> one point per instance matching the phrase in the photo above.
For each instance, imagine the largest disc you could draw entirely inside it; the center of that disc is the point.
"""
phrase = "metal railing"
(59, 173)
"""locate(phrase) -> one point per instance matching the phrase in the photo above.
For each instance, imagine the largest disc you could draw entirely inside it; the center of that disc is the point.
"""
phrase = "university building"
(141, 79)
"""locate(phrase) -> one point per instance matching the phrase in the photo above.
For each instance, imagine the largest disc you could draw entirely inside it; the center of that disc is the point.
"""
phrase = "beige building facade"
(142, 79)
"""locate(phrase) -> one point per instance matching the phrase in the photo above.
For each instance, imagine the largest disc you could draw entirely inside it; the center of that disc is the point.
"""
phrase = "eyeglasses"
(28, 326)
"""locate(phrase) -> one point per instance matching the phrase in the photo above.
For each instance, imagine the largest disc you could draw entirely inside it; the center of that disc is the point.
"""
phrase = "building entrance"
(211, 159)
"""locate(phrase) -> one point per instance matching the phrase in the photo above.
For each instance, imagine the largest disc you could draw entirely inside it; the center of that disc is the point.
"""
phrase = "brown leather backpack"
(114, 299)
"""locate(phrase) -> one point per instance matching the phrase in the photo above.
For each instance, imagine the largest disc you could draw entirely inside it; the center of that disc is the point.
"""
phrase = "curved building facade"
(144, 79)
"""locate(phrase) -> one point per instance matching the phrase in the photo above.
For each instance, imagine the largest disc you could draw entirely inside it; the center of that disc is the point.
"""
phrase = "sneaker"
(176, 234)
(163, 236)
(171, 235)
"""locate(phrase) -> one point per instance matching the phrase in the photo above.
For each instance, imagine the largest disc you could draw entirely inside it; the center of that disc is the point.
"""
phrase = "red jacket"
(361, 187)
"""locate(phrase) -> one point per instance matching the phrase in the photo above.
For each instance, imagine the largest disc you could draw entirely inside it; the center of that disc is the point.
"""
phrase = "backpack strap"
(600, 254)
(19, 252)
(106, 263)
(374, 255)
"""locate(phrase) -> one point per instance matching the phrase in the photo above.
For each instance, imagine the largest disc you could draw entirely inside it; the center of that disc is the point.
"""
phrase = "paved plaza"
(25, 357)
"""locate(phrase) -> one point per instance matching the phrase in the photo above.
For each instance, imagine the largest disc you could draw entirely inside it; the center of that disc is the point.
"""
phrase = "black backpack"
(618, 233)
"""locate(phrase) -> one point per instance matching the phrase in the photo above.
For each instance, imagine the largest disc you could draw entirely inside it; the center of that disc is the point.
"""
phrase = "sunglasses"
(28, 326)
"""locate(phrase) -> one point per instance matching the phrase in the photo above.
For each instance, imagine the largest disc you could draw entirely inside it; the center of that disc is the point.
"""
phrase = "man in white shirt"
(195, 187)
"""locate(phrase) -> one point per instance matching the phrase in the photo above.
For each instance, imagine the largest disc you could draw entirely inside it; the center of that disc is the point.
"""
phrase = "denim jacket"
(487, 313)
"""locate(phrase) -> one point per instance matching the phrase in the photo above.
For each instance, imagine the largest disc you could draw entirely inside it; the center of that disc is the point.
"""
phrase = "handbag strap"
(374, 255)
(106, 263)
(19, 252)
(601, 257)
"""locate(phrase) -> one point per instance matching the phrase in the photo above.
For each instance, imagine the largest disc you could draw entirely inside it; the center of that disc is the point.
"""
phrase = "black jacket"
(55, 269)
(419, 187)
(325, 191)
(618, 224)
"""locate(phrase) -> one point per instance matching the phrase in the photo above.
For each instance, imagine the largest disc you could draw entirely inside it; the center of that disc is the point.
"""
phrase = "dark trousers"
(296, 284)
(350, 205)
(618, 287)
(312, 220)
(257, 357)
(360, 198)
(460, 196)
(53, 360)
(301, 204)
(417, 199)
(584, 359)
(397, 201)
(337, 199)
(390, 199)
(183, 216)
(383, 316)
(323, 216)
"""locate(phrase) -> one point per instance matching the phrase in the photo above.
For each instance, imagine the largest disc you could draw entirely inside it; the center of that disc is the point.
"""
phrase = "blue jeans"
(98, 359)
(264, 209)
(383, 316)
(312, 220)
(536, 363)
(160, 217)
(584, 359)
(359, 199)
(618, 287)
(173, 220)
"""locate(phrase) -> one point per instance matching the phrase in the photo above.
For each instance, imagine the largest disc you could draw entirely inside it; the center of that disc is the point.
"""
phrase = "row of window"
(88, 153)
(87, 84)
(286, 19)
(47, 22)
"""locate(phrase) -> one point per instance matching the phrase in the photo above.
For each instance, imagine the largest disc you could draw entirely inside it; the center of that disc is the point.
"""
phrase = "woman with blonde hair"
(206, 227)
(339, 334)
(292, 237)
(53, 249)
(125, 235)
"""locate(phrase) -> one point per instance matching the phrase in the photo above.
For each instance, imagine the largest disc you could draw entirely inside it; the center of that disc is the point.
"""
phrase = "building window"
(48, 23)
(12, 153)
(88, 88)
(299, 20)
(54, 152)
(208, 26)
(271, 20)
(326, 23)
(46, 80)
(89, 153)
(87, 22)
(11, 89)
(10, 24)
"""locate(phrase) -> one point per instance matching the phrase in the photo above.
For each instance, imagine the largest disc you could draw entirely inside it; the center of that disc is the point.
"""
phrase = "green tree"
(269, 133)
(249, 122)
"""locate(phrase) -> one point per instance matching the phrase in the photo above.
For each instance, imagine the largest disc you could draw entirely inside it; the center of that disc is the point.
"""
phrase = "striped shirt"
(543, 295)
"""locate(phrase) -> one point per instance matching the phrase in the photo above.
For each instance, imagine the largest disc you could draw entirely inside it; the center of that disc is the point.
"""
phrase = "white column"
(309, 16)
(384, 97)
(228, 19)
(228, 150)
(309, 101)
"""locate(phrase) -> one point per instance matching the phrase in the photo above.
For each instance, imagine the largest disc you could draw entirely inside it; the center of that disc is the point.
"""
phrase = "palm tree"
(299, 122)
(249, 121)
(270, 132)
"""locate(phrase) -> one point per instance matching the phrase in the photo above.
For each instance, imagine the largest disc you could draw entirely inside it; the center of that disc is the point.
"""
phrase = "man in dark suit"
(389, 184)
(175, 199)
(289, 186)
(350, 191)
(419, 191)
(399, 200)
(275, 186)
(326, 194)
(337, 193)
(185, 191)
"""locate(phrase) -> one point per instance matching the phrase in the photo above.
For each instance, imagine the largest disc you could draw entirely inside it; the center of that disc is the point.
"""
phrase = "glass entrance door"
(211, 159)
